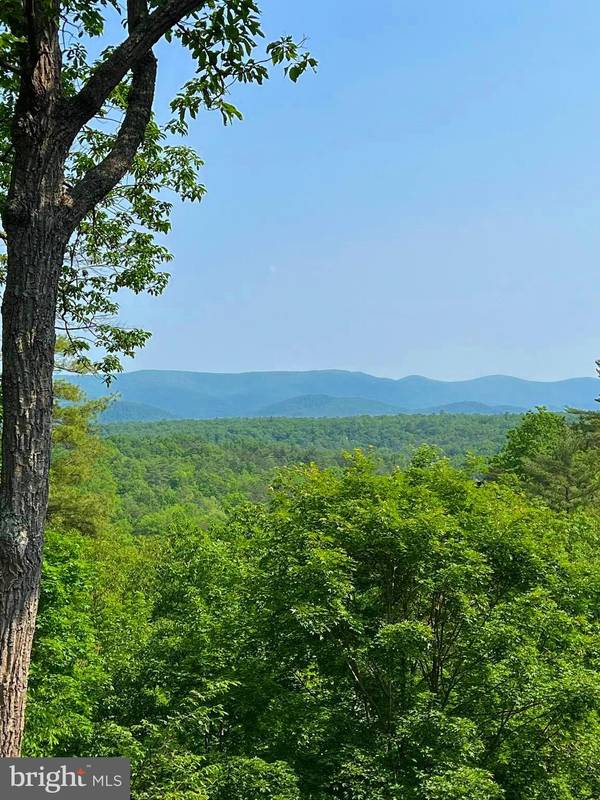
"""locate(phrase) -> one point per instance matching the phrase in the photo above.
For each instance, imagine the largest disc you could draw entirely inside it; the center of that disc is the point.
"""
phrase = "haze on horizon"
(429, 203)
(132, 368)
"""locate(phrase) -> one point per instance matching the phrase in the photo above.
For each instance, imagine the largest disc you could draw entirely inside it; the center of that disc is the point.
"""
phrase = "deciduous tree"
(84, 169)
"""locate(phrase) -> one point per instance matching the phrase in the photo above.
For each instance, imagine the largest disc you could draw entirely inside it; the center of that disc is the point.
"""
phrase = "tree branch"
(9, 67)
(99, 180)
(107, 76)
(103, 177)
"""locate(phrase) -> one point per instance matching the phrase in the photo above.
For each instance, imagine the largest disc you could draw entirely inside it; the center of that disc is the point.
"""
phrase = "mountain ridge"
(205, 395)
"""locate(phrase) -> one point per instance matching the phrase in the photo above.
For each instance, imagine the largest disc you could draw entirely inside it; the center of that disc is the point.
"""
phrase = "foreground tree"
(539, 432)
(76, 231)
(554, 458)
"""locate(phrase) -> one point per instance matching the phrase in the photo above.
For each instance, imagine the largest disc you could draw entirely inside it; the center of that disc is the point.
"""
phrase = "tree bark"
(35, 245)
(18, 606)
(28, 337)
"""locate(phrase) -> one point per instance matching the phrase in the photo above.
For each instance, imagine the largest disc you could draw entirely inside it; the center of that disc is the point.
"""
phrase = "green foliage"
(566, 475)
(199, 464)
(67, 676)
(395, 435)
(252, 778)
(464, 783)
(360, 633)
(554, 458)
(92, 607)
(426, 627)
(538, 432)
(83, 488)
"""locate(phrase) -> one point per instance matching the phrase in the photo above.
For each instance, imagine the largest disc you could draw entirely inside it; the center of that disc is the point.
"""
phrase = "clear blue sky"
(428, 203)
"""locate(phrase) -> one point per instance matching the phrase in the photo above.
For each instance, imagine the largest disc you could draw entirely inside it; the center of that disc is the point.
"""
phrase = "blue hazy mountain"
(204, 395)
(323, 405)
(125, 411)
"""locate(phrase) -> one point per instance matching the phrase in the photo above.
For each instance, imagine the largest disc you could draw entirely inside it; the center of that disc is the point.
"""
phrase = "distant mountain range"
(149, 395)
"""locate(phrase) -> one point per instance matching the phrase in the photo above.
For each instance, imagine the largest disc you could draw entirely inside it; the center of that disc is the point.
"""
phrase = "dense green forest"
(454, 433)
(201, 464)
(248, 613)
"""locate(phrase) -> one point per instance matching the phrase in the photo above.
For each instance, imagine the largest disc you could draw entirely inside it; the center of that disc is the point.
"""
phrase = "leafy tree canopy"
(554, 457)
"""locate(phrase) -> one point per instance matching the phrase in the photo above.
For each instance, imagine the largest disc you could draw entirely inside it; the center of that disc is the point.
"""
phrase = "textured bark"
(35, 247)
(28, 356)
(28, 309)
(18, 606)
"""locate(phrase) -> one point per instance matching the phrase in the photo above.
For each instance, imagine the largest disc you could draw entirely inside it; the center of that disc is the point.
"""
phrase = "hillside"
(125, 411)
(322, 405)
(198, 395)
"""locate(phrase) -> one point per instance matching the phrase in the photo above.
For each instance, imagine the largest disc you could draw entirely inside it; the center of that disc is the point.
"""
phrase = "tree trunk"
(39, 217)
(36, 242)
(28, 337)
(18, 606)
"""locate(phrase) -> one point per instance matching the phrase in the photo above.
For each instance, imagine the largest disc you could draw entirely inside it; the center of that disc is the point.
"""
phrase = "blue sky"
(428, 203)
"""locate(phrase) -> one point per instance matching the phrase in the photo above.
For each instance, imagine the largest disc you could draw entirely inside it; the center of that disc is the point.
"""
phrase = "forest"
(390, 608)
